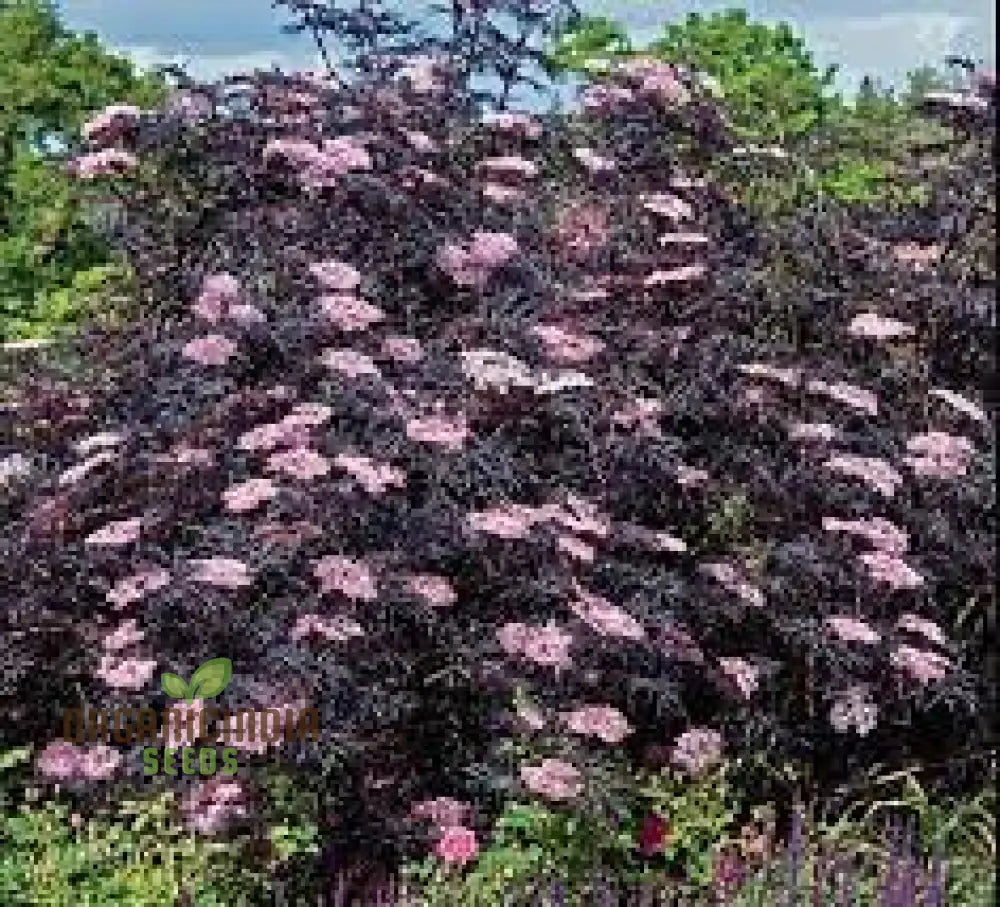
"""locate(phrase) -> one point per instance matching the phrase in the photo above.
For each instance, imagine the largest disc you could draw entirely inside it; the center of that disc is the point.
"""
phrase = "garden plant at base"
(516, 449)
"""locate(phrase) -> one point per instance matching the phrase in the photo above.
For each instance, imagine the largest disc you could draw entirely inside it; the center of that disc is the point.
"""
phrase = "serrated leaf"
(210, 679)
(174, 685)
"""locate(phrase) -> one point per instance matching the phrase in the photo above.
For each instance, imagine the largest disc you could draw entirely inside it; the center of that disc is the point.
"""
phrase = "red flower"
(653, 835)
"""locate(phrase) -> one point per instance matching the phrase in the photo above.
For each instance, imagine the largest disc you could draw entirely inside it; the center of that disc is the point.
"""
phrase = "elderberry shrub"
(425, 410)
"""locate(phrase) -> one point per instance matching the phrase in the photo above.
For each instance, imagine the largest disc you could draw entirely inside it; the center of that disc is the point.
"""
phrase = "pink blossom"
(697, 750)
(503, 195)
(920, 664)
(96, 442)
(505, 521)
(685, 238)
(76, 473)
(510, 164)
(59, 760)
(135, 587)
(213, 803)
(444, 812)
(491, 368)
(605, 98)
(350, 577)
(338, 276)
(338, 629)
(878, 532)
(126, 673)
(688, 476)
(120, 532)
(246, 314)
(552, 779)
(563, 346)
(744, 674)
(580, 516)
(676, 275)
(727, 576)
(582, 229)
(812, 431)
(420, 141)
(875, 473)
(299, 463)
(435, 590)
(457, 845)
(213, 349)
(576, 548)
(514, 123)
(185, 455)
(855, 397)
(854, 709)
(960, 403)
(919, 257)
(289, 433)
(593, 162)
(349, 313)
(350, 363)
(853, 629)
(605, 618)
(223, 572)
(790, 377)
(98, 762)
(309, 415)
(374, 477)
(249, 495)
(604, 722)
(111, 123)
(641, 414)
(547, 646)
(512, 638)
(913, 623)
(873, 326)
(666, 205)
(218, 293)
(109, 161)
(405, 350)
(126, 634)
(887, 568)
(449, 433)
(939, 455)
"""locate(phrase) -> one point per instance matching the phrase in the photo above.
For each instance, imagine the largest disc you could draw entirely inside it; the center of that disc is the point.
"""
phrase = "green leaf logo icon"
(209, 680)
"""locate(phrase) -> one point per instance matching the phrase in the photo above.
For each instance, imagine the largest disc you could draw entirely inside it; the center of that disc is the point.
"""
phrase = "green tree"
(589, 46)
(51, 81)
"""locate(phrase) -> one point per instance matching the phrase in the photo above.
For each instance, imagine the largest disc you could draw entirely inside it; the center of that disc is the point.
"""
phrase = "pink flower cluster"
(62, 761)
(212, 804)
(939, 455)
(605, 618)
(546, 645)
(602, 721)
(320, 166)
(472, 264)
(697, 750)
(107, 162)
(112, 123)
(350, 577)
(553, 779)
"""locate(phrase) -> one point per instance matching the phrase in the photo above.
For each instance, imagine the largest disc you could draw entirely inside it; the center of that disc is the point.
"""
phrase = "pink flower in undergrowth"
(875, 473)
(919, 664)
(666, 205)
(126, 673)
(877, 531)
(605, 618)
(939, 455)
(683, 238)
(420, 141)
(575, 548)
(872, 326)
(447, 432)
(444, 812)
(116, 534)
(126, 634)
(246, 314)
(727, 576)
(579, 515)
(605, 98)
(76, 473)
(457, 845)
(289, 433)
(854, 709)
(512, 637)
(697, 750)
(212, 805)
(309, 415)
(602, 721)
(958, 402)
(552, 779)
(503, 195)
(218, 293)
(914, 623)
(350, 363)
(405, 350)
(853, 629)
(249, 495)
(510, 165)
(346, 575)
(822, 432)
(593, 162)
(433, 589)
(96, 442)
(109, 162)
(337, 629)
(547, 646)
(299, 463)
(744, 675)
(213, 349)
(137, 586)
(848, 394)
(111, 123)
(641, 415)
(790, 377)
(374, 477)
(582, 229)
(186, 455)
(222, 572)
(510, 521)
(884, 567)
(676, 275)
(563, 346)
(691, 477)
(336, 276)
(517, 124)
(918, 256)
(62, 761)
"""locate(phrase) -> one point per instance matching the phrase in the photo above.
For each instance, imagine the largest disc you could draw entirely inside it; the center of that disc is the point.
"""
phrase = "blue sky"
(885, 38)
